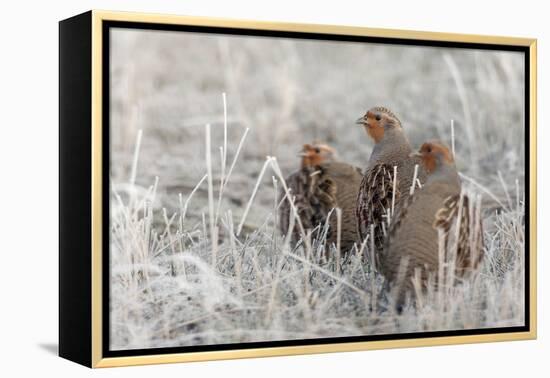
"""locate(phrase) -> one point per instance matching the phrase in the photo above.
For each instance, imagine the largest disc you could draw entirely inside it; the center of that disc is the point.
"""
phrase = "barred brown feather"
(469, 246)
(317, 191)
(374, 202)
(314, 197)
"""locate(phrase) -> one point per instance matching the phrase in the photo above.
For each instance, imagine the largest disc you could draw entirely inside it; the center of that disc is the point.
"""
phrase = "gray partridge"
(439, 207)
(320, 185)
(376, 200)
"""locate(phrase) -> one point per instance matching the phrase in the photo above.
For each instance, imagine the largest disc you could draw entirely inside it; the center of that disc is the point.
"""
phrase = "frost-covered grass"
(173, 283)
(208, 282)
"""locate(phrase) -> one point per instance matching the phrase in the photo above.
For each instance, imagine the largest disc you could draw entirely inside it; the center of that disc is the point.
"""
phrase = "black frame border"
(75, 182)
(108, 25)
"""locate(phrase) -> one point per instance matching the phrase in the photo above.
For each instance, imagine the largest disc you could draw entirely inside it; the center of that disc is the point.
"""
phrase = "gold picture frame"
(89, 328)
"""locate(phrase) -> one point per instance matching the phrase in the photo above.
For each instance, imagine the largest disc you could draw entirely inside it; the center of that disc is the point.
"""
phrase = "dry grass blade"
(212, 221)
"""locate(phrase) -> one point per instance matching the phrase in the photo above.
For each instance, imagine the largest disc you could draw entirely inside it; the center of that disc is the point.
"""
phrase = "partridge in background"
(413, 240)
(376, 195)
(321, 185)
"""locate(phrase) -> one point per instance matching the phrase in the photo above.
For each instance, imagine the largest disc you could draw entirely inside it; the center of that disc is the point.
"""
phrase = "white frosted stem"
(415, 179)
(224, 130)
(372, 252)
(338, 239)
(186, 204)
(226, 179)
(393, 192)
(483, 188)
(133, 172)
(247, 209)
(236, 156)
(213, 236)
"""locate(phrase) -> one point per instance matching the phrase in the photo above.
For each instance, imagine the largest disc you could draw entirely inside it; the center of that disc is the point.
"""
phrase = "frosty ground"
(173, 284)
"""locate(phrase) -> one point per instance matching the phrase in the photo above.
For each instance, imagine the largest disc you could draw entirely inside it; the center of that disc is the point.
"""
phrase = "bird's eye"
(317, 150)
(378, 117)
(429, 149)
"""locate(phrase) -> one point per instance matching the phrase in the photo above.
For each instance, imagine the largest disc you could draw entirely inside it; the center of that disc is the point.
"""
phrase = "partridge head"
(378, 121)
(435, 156)
(316, 154)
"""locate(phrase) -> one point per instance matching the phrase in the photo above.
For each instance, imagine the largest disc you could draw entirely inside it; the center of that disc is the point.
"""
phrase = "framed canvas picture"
(235, 189)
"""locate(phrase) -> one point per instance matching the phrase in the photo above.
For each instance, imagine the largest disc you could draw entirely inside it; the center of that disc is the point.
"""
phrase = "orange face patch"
(374, 128)
(311, 160)
(311, 156)
(375, 132)
(314, 155)
(428, 161)
(429, 152)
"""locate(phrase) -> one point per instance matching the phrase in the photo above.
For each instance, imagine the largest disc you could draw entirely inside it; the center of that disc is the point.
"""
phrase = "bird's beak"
(302, 154)
(360, 121)
(415, 154)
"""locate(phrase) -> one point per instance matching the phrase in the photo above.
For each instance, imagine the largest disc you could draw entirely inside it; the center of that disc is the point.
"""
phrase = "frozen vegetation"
(196, 257)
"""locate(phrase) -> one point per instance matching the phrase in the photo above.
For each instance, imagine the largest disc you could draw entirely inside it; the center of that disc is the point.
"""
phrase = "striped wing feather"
(373, 203)
(458, 210)
(314, 195)
(414, 234)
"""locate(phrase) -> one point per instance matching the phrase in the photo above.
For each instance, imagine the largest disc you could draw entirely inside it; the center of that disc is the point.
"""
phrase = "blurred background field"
(288, 92)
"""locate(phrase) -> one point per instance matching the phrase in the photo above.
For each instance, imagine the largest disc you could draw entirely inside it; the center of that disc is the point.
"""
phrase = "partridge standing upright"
(439, 207)
(390, 157)
(321, 185)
